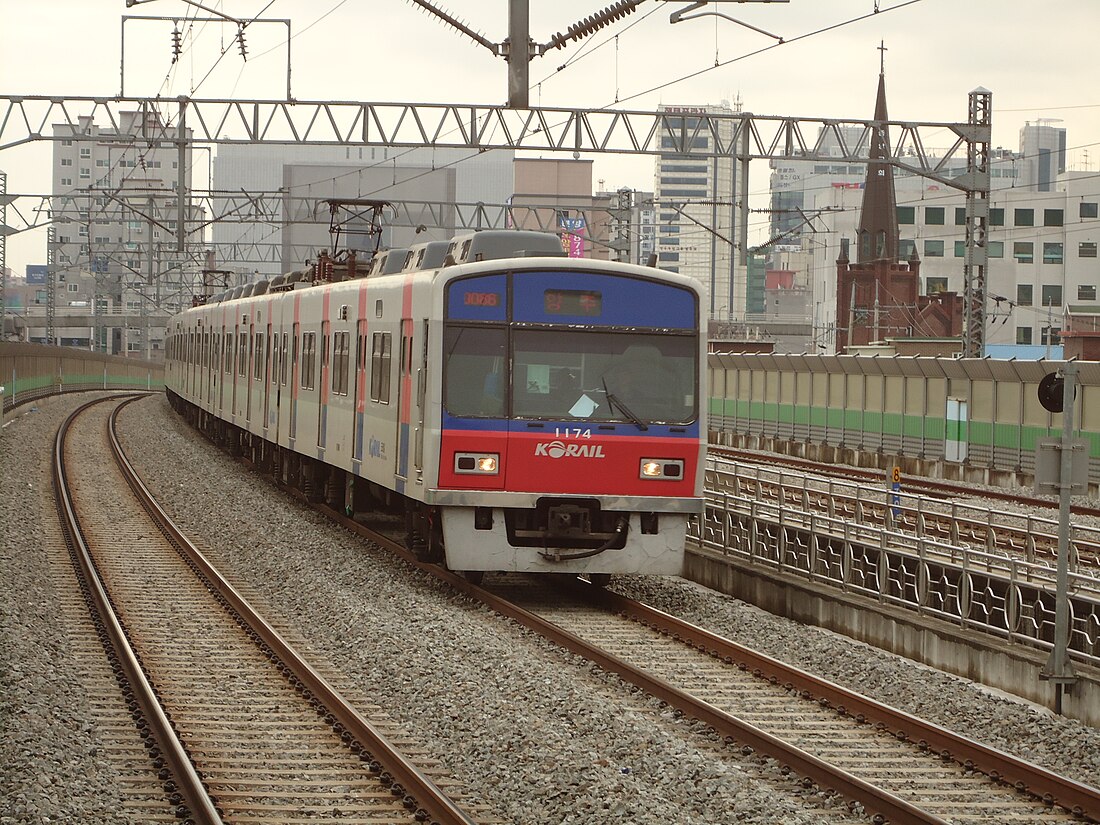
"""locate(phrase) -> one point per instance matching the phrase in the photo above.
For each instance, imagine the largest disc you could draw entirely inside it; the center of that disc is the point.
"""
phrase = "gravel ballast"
(532, 732)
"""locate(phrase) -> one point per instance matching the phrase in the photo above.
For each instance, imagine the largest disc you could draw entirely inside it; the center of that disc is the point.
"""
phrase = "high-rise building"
(115, 216)
(695, 203)
(1042, 153)
(301, 177)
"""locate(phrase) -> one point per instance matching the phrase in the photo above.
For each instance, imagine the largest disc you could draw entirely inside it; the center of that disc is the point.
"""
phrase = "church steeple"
(877, 238)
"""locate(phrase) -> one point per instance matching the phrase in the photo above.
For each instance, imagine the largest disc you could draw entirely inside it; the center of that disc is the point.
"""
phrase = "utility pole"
(3, 261)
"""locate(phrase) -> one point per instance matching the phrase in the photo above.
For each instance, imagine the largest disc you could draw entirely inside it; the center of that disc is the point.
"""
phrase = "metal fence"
(978, 589)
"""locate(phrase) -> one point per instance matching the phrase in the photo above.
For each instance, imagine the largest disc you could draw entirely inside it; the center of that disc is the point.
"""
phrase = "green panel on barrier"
(755, 411)
(834, 418)
(817, 416)
(872, 422)
(892, 423)
(853, 420)
(802, 415)
(785, 414)
(1006, 436)
(979, 433)
(1094, 443)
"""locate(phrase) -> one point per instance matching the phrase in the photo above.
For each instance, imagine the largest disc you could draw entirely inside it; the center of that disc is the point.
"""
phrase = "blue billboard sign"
(36, 273)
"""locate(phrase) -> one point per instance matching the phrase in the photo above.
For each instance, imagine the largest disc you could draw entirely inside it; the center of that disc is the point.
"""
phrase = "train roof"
(477, 252)
(494, 244)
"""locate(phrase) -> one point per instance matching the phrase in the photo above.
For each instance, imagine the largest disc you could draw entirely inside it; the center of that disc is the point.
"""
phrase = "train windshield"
(571, 374)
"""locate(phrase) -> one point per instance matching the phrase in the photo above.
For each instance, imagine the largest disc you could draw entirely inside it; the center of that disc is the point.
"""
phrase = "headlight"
(661, 468)
(477, 463)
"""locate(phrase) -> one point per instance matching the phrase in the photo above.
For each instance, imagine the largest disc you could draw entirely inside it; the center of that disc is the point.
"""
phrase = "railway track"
(237, 727)
(893, 765)
(889, 765)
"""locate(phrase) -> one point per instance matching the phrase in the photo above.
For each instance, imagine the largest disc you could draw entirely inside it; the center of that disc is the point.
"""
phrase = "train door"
(360, 390)
(225, 365)
(421, 396)
(270, 353)
(232, 369)
(280, 382)
(323, 390)
(294, 381)
(250, 367)
(212, 368)
(404, 400)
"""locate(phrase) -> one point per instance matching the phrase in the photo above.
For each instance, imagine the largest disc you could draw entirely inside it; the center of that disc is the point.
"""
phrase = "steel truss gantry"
(479, 128)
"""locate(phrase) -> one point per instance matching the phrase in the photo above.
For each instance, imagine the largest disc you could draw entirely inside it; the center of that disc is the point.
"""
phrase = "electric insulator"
(240, 42)
(176, 47)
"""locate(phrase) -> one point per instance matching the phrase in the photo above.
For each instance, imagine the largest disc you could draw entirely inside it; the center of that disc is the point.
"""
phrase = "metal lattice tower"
(51, 284)
(977, 221)
(3, 248)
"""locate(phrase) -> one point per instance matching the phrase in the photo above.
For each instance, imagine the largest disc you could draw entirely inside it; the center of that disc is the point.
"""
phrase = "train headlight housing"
(666, 469)
(482, 464)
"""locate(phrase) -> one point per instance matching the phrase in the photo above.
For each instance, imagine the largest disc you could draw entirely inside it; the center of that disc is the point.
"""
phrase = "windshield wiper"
(613, 399)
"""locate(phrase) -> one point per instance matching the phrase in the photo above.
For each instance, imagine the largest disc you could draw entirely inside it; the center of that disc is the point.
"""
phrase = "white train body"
(481, 398)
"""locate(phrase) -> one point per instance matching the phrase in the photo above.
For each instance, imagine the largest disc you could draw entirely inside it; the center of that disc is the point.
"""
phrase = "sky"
(1036, 59)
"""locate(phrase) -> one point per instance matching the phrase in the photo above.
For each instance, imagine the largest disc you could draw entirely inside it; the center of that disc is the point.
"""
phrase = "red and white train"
(524, 411)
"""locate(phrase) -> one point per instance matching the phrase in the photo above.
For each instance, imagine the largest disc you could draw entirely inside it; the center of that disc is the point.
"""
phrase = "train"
(520, 410)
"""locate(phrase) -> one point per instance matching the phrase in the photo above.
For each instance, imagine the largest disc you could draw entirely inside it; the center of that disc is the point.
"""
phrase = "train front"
(572, 432)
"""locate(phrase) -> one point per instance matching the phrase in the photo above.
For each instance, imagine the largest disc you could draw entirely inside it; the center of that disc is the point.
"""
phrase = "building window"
(1089, 210)
(66, 161)
(67, 142)
(85, 152)
(1051, 335)
(1024, 217)
(906, 248)
(996, 217)
(85, 173)
(907, 214)
(1052, 217)
(934, 285)
(960, 216)
(1023, 335)
(995, 249)
(1023, 252)
(933, 215)
(73, 287)
(1086, 249)
(1086, 292)
(668, 256)
(66, 181)
(960, 249)
(1052, 295)
(933, 249)
(1052, 253)
(1024, 294)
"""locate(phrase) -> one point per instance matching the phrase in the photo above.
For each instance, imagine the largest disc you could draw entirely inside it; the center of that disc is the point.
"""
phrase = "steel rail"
(412, 780)
(873, 799)
(189, 785)
(1076, 797)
